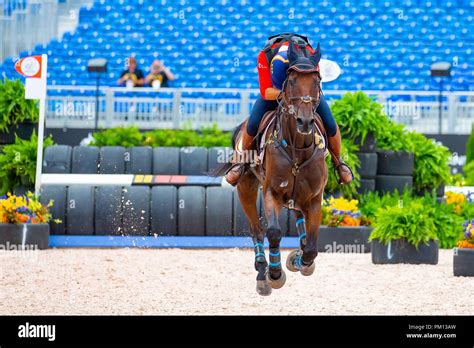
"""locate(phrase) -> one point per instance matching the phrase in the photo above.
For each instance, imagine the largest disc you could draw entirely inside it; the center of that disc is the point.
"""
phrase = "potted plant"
(18, 163)
(359, 118)
(23, 222)
(344, 228)
(463, 262)
(17, 115)
(404, 234)
(431, 170)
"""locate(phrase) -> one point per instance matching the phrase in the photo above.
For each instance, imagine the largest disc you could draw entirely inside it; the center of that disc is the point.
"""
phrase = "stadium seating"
(380, 45)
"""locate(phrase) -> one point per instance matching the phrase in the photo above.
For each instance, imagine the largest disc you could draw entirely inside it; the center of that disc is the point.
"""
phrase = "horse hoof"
(307, 270)
(263, 288)
(290, 261)
(277, 283)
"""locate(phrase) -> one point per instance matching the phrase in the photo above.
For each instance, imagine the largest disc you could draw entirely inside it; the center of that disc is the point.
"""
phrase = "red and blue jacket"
(264, 69)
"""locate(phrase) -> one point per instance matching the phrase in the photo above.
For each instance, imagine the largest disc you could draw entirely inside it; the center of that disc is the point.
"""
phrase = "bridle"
(285, 102)
(286, 107)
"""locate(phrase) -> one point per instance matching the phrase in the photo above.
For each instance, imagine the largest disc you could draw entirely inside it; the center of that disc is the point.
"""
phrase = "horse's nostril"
(299, 121)
(311, 122)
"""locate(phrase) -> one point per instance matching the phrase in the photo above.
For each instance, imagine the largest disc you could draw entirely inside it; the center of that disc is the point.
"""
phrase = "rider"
(272, 66)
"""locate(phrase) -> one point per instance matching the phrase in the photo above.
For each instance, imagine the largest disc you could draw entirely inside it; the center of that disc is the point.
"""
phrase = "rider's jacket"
(264, 61)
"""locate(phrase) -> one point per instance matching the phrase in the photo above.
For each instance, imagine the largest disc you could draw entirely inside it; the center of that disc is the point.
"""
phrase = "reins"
(286, 109)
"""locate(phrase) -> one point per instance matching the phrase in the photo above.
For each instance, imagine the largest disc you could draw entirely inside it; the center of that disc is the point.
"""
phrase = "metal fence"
(147, 108)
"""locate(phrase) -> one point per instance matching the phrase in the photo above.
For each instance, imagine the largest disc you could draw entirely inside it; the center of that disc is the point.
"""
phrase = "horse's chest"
(292, 190)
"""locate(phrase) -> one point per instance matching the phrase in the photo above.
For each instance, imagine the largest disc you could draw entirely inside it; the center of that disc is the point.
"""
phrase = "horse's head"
(302, 88)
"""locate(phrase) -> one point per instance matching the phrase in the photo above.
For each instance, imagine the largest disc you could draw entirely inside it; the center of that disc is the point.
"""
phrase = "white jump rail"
(87, 179)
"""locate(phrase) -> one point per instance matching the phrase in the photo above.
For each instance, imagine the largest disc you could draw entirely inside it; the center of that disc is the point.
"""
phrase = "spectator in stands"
(159, 75)
(132, 76)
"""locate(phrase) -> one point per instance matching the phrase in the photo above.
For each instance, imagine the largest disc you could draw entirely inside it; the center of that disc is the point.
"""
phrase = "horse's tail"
(223, 168)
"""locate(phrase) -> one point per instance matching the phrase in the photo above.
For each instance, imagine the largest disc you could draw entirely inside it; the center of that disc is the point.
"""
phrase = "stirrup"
(336, 173)
(242, 170)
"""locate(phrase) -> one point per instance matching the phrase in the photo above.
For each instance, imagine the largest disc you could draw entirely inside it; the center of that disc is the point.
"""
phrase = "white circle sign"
(30, 66)
(329, 69)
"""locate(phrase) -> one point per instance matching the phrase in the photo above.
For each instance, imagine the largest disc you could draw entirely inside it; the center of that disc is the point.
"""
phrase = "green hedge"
(131, 136)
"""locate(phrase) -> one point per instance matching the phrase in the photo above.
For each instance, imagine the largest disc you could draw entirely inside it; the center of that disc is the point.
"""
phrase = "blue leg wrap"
(259, 252)
(301, 228)
(274, 258)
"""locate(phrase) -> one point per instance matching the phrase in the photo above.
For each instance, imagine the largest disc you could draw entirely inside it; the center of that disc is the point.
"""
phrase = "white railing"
(147, 108)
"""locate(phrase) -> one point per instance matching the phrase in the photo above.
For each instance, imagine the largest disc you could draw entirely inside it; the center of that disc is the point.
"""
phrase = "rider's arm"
(264, 76)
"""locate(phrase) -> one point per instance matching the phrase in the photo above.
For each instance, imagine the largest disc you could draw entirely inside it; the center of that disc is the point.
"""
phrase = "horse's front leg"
(248, 190)
(303, 259)
(275, 276)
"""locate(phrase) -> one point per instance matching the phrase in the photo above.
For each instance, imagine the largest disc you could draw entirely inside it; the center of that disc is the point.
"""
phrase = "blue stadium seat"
(379, 40)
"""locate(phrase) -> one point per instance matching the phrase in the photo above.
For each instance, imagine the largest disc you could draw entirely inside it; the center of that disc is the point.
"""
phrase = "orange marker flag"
(29, 66)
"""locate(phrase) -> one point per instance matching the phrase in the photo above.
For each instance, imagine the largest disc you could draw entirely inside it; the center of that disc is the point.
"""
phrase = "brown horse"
(293, 174)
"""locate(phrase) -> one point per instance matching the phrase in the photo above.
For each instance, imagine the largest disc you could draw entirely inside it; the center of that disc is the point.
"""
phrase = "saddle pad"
(263, 140)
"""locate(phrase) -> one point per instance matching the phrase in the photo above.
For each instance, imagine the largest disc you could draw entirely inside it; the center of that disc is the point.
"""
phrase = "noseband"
(286, 102)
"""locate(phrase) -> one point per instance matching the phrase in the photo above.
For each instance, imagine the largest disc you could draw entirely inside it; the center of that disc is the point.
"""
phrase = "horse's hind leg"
(248, 191)
(276, 275)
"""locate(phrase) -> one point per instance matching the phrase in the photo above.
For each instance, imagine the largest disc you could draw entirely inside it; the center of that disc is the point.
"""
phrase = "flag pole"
(41, 122)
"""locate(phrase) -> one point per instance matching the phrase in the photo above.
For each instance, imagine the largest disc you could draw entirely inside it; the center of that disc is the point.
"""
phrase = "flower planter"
(344, 239)
(23, 130)
(395, 163)
(463, 262)
(24, 236)
(400, 251)
(369, 145)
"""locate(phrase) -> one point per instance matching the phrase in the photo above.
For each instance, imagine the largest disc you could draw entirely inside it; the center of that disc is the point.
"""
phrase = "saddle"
(267, 123)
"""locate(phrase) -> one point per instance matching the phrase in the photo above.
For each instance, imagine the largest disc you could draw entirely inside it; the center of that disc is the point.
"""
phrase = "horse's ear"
(316, 56)
(292, 53)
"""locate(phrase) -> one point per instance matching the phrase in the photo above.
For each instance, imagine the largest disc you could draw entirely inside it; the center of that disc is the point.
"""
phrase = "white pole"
(41, 122)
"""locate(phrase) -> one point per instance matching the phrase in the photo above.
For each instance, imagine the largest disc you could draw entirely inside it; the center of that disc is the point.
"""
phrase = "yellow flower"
(343, 204)
(455, 198)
